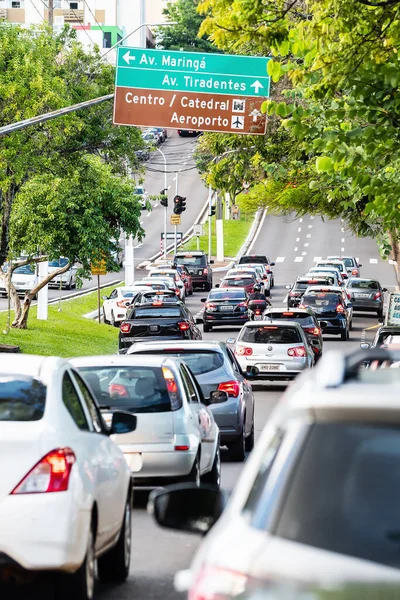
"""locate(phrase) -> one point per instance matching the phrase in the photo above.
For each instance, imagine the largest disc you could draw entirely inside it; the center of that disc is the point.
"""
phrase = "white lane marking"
(306, 245)
(299, 259)
(148, 214)
(301, 220)
(296, 249)
(155, 205)
(141, 222)
(342, 229)
(310, 227)
(341, 249)
(318, 258)
(373, 261)
(297, 239)
(280, 259)
(285, 299)
(138, 245)
(304, 253)
(312, 217)
(308, 236)
(343, 240)
(299, 229)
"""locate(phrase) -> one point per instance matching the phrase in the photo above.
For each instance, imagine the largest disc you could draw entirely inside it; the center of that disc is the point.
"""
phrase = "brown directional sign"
(189, 110)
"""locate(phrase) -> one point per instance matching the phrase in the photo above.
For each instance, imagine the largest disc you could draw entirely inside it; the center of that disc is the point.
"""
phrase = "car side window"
(73, 404)
(91, 406)
(233, 360)
(188, 384)
(113, 294)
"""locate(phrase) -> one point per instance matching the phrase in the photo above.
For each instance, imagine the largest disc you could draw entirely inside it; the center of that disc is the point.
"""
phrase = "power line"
(37, 10)
(93, 15)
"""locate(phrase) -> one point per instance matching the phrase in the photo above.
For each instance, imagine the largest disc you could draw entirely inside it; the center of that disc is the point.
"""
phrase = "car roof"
(363, 279)
(122, 360)
(185, 344)
(29, 365)
(282, 309)
(272, 323)
(227, 289)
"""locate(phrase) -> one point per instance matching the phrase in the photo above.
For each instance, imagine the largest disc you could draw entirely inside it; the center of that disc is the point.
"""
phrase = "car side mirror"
(365, 345)
(105, 297)
(360, 265)
(251, 372)
(186, 507)
(314, 342)
(217, 285)
(211, 262)
(384, 289)
(198, 320)
(272, 264)
(122, 422)
(218, 397)
(288, 287)
(323, 324)
(349, 305)
(203, 299)
(231, 340)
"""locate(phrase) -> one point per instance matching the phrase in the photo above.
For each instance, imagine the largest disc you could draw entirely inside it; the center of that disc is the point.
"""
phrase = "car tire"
(80, 585)
(272, 282)
(237, 449)
(68, 286)
(380, 314)
(194, 475)
(104, 318)
(190, 292)
(344, 335)
(351, 325)
(207, 286)
(249, 442)
(113, 566)
(213, 477)
(207, 327)
(113, 322)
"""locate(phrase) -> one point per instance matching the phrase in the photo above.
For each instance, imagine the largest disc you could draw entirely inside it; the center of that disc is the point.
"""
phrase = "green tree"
(184, 35)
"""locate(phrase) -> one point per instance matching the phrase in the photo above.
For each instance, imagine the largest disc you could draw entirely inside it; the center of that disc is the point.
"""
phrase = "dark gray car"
(215, 367)
(366, 294)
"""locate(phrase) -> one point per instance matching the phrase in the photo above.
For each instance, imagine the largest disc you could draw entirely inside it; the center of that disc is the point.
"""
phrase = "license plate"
(270, 367)
(154, 328)
(134, 461)
(258, 317)
(226, 308)
(362, 296)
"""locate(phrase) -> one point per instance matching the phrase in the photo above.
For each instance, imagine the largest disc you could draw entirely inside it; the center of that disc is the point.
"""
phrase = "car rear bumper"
(199, 280)
(333, 326)
(286, 369)
(43, 532)
(128, 341)
(367, 305)
(155, 463)
(227, 319)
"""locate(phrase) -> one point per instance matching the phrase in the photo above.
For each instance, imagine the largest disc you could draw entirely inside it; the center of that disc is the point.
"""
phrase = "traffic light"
(164, 201)
(179, 204)
(212, 211)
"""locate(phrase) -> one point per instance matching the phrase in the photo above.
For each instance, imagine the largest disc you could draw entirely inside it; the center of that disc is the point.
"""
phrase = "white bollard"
(129, 262)
(43, 295)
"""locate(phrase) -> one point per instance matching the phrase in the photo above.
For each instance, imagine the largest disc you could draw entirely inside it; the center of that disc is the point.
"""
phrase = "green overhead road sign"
(192, 72)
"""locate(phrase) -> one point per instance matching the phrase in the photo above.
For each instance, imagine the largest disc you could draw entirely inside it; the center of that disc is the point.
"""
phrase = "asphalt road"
(293, 244)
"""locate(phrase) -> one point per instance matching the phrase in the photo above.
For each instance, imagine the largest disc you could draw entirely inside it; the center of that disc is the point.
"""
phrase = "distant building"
(101, 22)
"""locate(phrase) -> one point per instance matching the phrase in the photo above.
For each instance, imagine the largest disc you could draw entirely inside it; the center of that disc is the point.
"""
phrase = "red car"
(247, 282)
(186, 278)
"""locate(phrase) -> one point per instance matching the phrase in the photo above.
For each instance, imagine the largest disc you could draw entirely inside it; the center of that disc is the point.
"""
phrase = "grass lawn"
(235, 233)
(65, 333)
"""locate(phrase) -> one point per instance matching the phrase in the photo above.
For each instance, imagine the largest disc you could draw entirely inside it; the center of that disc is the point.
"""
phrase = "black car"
(332, 314)
(198, 265)
(158, 320)
(307, 319)
(297, 290)
(259, 259)
(225, 306)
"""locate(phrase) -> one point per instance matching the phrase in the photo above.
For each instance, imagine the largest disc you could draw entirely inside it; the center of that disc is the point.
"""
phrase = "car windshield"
(364, 284)
(139, 191)
(321, 299)
(21, 398)
(61, 262)
(270, 334)
(303, 318)
(135, 389)
(354, 509)
(199, 361)
(24, 270)
(239, 296)
(238, 281)
(158, 312)
(189, 259)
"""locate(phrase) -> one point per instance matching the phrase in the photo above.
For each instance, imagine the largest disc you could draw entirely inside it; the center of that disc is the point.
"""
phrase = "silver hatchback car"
(273, 349)
(176, 438)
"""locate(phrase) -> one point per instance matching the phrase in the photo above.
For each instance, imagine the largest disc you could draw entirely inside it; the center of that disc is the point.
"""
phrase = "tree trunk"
(22, 321)
(6, 202)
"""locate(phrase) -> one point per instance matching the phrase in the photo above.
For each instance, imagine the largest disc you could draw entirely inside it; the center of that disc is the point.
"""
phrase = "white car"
(66, 280)
(174, 275)
(353, 267)
(65, 487)
(115, 305)
(176, 438)
(144, 284)
(142, 195)
(338, 264)
(327, 271)
(317, 504)
(24, 279)
(167, 281)
(273, 350)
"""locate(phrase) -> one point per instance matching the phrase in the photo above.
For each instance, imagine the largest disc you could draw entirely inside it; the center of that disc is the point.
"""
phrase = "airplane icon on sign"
(237, 122)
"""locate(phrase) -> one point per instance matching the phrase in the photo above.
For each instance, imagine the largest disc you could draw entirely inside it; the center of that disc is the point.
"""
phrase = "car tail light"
(177, 292)
(123, 303)
(349, 296)
(50, 474)
(377, 296)
(243, 351)
(268, 269)
(183, 326)
(232, 388)
(258, 312)
(169, 380)
(126, 327)
(181, 448)
(340, 309)
(205, 272)
(354, 272)
(211, 306)
(297, 351)
(293, 294)
(313, 330)
(117, 389)
(215, 583)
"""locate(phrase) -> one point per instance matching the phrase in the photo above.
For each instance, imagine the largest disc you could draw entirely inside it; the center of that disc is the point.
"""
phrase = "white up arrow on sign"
(127, 57)
(255, 114)
(257, 85)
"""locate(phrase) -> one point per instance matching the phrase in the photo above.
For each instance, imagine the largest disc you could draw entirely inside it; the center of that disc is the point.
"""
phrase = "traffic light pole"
(175, 226)
(165, 207)
(209, 220)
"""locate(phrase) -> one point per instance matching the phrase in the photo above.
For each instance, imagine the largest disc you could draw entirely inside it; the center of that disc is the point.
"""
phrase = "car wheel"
(213, 477)
(351, 325)
(272, 282)
(104, 318)
(237, 449)
(207, 327)
(112, 320)
(68, 286)
(249, 443)
(194, 474)
(344, 335)
(207, 286)
(380, 314)
(80, 585)
(113, 566)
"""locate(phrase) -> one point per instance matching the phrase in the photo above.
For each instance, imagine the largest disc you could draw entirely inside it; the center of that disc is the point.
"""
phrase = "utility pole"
(51, 13)
(219, 228)
(165, 207)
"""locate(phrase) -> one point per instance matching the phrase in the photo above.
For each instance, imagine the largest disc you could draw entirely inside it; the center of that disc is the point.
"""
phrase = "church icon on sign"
(237, 122)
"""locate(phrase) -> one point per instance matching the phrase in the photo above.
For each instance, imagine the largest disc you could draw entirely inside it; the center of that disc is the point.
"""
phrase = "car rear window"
(300, 286)
(189, 259)
(21, 398)
(255, 258)
(364, 284)
(157, 312)
(335, 265)
(354, 509)
(58, 263)
(198, 361)
(129, 293)
(321, 299)
(303, 318)
(24, 270)
(238, 281)
(227, 296)
(135, 389)
(270, 334)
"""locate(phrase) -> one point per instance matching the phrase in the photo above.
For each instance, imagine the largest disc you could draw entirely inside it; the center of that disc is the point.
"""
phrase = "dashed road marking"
(299, 229)
(373, 261)
(155, 205)
(342, 240)
(342, 229)
(310, 227)
(308, 236)
(304, 253)
(297, 239)
(138, 245)
(296, 249)
(312, 217)
(299, 259)
(341, 249)
(306, 245)
(148, 214)
(317, 258)
(301, 220)
(280, 259)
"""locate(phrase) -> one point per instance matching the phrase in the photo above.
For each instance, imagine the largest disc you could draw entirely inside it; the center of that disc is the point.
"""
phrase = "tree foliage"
(184, 35)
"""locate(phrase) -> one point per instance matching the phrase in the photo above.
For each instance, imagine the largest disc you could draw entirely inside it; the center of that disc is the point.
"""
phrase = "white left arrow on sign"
(127, 57)
(257, 85)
